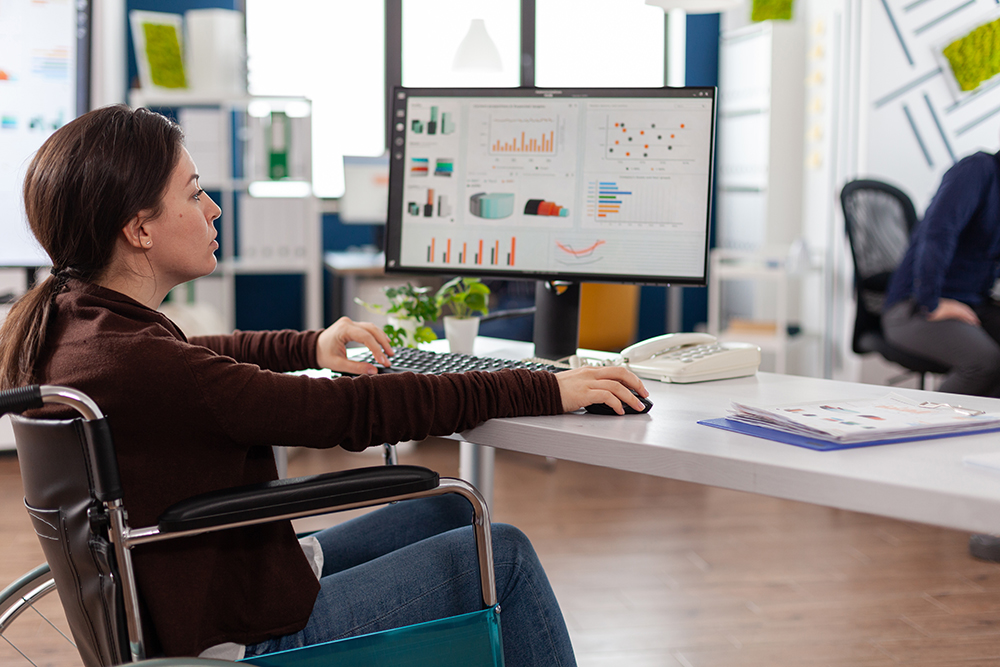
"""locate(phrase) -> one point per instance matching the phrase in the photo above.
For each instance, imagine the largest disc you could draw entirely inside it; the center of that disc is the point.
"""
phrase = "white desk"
(923, 481)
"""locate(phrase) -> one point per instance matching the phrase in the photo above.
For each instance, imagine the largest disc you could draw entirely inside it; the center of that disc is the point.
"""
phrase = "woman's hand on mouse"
(600, 384)
(331, 346)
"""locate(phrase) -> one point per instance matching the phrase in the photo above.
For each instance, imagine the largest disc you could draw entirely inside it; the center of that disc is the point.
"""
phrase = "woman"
(113, 197)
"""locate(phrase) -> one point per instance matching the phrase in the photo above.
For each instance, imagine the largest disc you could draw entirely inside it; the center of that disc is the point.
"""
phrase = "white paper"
(849, 421)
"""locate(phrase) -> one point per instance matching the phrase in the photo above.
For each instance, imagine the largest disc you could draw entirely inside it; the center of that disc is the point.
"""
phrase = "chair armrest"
(291, 496)
(878, 282)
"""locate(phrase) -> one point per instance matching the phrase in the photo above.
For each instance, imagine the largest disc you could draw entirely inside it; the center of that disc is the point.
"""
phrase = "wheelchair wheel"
(33, 625)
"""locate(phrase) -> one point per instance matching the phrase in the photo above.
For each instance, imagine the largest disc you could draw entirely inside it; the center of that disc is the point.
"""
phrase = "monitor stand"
(557, 319)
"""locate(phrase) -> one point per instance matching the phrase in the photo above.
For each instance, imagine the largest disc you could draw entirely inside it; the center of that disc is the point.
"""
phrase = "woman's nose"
(216, 212)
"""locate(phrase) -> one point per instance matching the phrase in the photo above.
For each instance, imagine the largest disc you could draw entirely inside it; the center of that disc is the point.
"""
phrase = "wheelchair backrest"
(70, 524)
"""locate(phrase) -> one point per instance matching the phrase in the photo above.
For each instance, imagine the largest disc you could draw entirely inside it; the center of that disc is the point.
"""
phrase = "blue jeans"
(415, 561)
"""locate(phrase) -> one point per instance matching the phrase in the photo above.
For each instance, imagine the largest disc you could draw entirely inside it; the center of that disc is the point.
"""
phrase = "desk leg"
(475, 465)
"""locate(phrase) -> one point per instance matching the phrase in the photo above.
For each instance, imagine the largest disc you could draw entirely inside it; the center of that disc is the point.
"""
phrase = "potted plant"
(463, 297)
(409, 311)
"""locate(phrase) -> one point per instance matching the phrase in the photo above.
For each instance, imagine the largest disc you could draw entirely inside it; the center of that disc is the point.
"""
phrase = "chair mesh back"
(878, 226)
(59, 497)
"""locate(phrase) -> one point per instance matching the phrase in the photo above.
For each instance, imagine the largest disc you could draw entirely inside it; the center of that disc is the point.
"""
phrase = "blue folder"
(816, 443)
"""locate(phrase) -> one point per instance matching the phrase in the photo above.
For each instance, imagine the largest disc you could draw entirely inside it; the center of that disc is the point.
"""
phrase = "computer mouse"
(604, 409)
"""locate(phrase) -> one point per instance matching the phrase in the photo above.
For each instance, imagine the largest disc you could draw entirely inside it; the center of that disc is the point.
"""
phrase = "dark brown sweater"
(190, 416)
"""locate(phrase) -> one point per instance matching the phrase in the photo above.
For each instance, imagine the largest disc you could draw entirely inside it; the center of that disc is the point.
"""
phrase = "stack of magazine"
(889, 418)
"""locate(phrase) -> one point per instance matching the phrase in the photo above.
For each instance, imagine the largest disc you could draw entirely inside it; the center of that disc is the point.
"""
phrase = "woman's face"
(182, 238)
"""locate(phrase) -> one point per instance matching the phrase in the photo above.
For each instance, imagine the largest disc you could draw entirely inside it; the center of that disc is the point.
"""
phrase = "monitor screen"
(595, 185)
(44, 53)
(366, 190)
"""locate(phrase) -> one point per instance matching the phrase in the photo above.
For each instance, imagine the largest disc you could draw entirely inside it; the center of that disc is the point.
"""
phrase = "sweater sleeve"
(278, 351)
(948, 214)
(256, 407)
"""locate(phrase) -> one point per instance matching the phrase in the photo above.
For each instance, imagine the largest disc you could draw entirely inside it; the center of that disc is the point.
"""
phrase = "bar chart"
(479, 252)
(513, 135)
(442, 123)
(419, 166)
(432, 205)
(619, 200)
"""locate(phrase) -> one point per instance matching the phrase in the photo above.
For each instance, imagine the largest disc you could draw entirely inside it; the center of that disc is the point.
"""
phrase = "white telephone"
(690, 357)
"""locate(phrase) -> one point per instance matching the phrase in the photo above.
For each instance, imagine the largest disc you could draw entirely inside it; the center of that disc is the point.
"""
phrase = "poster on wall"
(38, 95)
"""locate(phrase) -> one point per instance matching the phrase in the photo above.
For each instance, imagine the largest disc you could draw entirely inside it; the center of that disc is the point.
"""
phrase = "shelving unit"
(228, 139)
(763, 272)
(759, 192)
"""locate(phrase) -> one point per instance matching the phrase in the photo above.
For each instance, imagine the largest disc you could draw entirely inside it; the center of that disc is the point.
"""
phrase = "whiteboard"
(40, 72)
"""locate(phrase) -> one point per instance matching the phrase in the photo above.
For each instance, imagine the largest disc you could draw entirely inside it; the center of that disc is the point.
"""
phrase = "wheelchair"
(73, 493)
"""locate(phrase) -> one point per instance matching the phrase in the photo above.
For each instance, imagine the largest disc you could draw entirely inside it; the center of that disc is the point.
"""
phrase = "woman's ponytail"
(23, 332)
(83, 185)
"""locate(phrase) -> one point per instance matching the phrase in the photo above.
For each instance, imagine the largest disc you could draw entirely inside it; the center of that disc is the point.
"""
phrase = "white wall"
(879, 104)
(915, 121)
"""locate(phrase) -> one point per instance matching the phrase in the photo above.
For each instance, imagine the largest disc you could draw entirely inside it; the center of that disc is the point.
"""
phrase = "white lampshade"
(696, 6)
(477, 52)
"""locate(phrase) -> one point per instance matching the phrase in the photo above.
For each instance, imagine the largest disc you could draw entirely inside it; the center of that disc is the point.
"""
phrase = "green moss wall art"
(975, 58)
(159, 49)
(765, 10)
(163, 49)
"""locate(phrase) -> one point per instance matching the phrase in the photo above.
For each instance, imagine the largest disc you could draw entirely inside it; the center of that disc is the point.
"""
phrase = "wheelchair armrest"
(290, 496)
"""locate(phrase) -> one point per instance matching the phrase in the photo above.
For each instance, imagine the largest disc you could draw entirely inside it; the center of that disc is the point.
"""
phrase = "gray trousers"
(972, 353)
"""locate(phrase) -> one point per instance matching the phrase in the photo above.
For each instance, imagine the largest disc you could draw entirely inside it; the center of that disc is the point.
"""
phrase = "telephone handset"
(690, 357)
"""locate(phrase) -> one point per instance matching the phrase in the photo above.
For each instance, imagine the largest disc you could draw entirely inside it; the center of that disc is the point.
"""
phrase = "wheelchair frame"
(301, 497)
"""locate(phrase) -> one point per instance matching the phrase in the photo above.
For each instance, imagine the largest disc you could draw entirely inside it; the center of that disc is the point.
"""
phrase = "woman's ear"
(136, 233)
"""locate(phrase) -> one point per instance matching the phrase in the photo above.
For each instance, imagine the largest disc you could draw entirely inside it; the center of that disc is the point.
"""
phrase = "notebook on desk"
(815, 443)
(827, 425)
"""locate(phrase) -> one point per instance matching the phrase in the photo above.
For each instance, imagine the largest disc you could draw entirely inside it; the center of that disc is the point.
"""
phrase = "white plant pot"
(461, 333)
(408, 325)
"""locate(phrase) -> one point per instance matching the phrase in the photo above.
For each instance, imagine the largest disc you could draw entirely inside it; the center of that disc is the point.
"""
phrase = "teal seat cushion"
(469, 640)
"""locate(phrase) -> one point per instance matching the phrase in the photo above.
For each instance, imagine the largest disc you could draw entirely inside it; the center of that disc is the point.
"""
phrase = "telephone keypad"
(688, 354)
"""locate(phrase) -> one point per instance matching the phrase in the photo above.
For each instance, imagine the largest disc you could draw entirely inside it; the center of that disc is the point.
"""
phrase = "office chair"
(73, 494)
(879, 219)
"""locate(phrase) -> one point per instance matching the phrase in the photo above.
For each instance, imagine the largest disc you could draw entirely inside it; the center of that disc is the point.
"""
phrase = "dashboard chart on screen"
(596, 184)
(44, 84)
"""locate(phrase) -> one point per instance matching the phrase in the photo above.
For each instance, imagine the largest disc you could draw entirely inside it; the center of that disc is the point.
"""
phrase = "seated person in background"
(938, 305)
(113, 198)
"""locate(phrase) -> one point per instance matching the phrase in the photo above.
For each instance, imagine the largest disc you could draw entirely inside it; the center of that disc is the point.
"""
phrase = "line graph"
(568, 254)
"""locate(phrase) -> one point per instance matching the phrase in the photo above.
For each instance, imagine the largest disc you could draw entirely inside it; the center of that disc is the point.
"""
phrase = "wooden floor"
(652, 572)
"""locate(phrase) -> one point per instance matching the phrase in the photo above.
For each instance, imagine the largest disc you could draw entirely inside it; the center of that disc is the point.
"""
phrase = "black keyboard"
(433, 363)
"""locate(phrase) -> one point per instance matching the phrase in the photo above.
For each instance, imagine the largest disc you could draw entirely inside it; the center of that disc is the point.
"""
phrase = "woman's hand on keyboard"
(600, 384)
(331, 346)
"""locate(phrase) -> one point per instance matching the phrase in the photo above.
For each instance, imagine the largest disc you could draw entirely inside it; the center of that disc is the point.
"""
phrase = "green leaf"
(463, 296)
(425, 335)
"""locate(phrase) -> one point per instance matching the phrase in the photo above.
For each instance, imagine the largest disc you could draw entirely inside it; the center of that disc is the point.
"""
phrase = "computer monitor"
(44, 82)
(366, 190)
(569, 185)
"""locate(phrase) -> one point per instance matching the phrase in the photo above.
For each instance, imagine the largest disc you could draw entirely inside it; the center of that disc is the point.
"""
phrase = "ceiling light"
(696, 6)
(477, 52)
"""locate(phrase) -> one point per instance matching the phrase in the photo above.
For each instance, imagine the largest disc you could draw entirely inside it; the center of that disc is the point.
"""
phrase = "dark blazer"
(954, 250)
